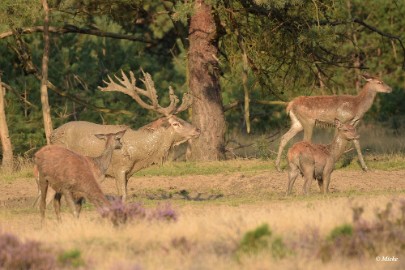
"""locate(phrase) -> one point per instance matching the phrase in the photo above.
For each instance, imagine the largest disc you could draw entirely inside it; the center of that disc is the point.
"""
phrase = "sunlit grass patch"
(207, 168)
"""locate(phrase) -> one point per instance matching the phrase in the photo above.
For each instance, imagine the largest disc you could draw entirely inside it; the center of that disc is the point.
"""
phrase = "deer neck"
(337, 147)
(365, 99)
(150, 146)
(165, 143)
(104, 160)
(98, 199)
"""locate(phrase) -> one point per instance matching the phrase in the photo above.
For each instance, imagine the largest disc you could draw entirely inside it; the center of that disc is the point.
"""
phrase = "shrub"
(255, 240)
(15, 254)
(344, 230)
(363, 238)
(278, 249)
(120, 213)
(164, 212)
(71, 258)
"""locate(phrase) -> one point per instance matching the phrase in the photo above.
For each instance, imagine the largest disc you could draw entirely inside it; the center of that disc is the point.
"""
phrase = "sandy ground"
(215, 212)
(266, 185)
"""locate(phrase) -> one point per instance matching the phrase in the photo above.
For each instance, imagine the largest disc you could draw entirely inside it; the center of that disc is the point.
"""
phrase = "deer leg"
(56, 204)
(359, 154)
(308, 176)
(326, 176)
(308, 130)
(327, 181)
(43, 185)
(320, 184)
(79, 204)
(121, 182)
(296, 127)
(292, 176)
(70, 201)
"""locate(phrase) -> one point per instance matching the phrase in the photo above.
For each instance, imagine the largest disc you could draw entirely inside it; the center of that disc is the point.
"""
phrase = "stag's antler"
(128, 86)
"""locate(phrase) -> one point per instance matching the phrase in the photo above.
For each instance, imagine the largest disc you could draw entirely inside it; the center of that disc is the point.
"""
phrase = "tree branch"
(9, 88)
(236, 103)
(388, 35)
(73, 29)
(80, 101)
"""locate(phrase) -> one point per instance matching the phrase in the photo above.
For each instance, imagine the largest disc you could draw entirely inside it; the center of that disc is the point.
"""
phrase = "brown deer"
(317, 161)
(141, 148)
(73, 175)
(306, 111)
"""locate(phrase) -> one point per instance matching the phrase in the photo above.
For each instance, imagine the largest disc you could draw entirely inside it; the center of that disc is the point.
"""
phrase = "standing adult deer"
(73, 175)
(306, 111)
(141, 148)
(317, 161)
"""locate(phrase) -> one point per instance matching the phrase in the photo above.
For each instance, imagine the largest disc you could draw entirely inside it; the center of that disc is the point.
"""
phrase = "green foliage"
(262, 148)
(278, 249)
(260, 240)
(364, 238)
(19, 13)
(71, 258)
(255, 240)
(294, 48)
(345, 230)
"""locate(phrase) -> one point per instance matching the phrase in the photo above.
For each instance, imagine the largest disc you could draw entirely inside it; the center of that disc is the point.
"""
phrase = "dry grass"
(206, 235)
(217, 203)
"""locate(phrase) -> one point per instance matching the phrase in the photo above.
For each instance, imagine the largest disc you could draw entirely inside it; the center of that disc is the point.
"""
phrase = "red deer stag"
(141, 148)
(73, 175)
(306, 111)
(317, 161)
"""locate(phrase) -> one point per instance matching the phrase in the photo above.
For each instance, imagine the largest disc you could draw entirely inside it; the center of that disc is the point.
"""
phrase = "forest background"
(267, 52)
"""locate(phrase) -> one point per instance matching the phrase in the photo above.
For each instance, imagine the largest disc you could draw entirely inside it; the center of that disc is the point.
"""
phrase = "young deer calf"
(73, 175)
(317, 161)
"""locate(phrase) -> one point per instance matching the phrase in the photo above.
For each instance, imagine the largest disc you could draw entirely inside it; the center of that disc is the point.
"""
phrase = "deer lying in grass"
(141, 148)
(306, 111)
(317, 161)
(74, 176)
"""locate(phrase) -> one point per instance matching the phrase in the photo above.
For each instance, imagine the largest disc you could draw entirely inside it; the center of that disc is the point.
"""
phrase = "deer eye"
(176, 124)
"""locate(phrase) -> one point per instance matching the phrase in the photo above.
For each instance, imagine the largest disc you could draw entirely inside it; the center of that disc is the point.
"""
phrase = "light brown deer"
(317, 161)
(73, 175)
(141, 148)
(306, 111)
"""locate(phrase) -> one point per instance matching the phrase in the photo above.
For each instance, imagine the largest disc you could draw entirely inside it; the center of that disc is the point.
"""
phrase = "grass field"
(229, 215)
(223, 209)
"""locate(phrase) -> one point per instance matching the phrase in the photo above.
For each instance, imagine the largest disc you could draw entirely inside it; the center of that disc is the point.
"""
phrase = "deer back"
(79, 136)
(63, 168)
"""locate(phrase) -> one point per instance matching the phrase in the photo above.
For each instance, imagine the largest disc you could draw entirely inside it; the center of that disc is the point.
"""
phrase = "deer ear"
(121, 133)
(100, 136)
(367, 77)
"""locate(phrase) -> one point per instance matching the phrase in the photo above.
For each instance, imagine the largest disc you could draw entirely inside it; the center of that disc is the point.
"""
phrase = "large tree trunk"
(7, 161)
(207, 109)
(46, 111)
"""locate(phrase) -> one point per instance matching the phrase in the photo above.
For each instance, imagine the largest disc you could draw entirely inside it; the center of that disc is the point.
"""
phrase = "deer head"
(348, 130)
(376, 84)
(128, 86)
(114, 139)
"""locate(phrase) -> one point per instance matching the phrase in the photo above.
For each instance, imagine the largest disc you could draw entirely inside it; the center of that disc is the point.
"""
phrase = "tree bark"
(207, 109)
(7, 161)
(46, 111)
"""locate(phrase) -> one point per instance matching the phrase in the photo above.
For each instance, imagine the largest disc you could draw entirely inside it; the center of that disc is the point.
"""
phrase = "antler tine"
(186, 102)
(150, 86)
(128, 86)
